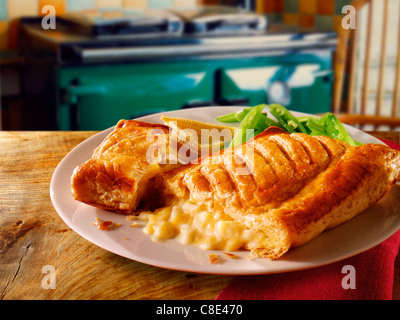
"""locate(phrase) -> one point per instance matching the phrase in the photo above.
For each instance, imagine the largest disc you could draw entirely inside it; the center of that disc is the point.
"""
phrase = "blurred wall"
(318, 14)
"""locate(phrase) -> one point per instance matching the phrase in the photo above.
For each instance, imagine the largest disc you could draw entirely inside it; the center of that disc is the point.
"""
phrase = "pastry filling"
(190, 223)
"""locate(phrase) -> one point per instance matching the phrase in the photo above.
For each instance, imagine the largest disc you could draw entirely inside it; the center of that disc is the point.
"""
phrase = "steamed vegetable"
(254, 119)
(235, 116)
(286, 119)
(336, 129)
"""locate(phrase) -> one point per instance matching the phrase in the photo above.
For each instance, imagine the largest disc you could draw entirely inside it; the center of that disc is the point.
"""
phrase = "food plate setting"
(361, 233)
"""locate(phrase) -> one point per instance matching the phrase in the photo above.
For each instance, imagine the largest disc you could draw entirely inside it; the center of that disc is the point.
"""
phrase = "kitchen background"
(315, 16)
(321, 14)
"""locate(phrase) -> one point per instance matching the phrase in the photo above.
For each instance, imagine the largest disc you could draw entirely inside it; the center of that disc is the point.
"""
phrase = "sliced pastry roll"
(115, 177)
(268, 195)
(276, 192)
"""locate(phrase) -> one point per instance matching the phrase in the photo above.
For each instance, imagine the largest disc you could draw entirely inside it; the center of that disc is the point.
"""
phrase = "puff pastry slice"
(115, 177)
(297, 186)
(286, 187)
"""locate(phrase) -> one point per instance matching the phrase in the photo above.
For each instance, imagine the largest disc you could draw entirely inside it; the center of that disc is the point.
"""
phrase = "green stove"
(88, 81)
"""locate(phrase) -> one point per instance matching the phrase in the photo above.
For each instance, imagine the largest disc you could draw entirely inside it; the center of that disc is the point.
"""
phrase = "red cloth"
(374, 271)
(391, 144)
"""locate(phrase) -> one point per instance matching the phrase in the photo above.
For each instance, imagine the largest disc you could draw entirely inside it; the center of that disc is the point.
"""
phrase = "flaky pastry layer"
(291, 187)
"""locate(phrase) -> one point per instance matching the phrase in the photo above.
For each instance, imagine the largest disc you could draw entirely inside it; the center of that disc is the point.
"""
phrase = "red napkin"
(391, 144)
(373, 269)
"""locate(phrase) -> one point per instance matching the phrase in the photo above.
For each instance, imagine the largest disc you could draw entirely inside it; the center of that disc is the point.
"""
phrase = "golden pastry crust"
(115, 177)
(291, 187)
(300, 186)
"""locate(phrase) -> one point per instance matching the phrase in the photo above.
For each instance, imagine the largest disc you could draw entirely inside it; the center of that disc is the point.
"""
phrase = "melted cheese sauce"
(190, 223)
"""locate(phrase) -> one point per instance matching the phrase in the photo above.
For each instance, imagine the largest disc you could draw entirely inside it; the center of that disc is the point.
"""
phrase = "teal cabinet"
(302, 83)
(95, 97)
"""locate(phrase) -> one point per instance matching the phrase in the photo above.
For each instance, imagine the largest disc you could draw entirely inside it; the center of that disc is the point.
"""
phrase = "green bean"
(358, 143)
(234, 116)
(316, 132)
(227, 118)
(250, 121)
(271, 123)
(316, 126)
(252, 118)
(336, 129)
(286, 119)
(239, 115)
(304, 119)
(261, 124)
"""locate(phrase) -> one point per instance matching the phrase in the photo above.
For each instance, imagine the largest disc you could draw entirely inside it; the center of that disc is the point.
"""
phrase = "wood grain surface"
(32, 236)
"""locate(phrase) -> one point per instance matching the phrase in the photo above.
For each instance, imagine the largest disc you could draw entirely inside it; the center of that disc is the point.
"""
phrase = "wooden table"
(32, 236)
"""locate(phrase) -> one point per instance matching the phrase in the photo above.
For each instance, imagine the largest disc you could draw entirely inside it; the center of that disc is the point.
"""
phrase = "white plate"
(361, 233)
